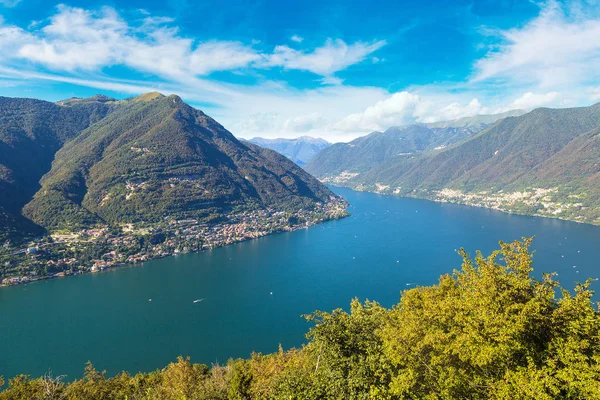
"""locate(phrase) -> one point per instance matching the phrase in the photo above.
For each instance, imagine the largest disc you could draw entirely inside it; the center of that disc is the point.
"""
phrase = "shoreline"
(462, 203)
(337, 210)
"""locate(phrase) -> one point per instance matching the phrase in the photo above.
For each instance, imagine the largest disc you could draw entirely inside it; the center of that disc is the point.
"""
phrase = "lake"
(252, 294)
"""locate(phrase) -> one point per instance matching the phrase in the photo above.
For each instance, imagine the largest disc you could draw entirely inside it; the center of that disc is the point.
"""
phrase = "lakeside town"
(92, 250)
(555, 202)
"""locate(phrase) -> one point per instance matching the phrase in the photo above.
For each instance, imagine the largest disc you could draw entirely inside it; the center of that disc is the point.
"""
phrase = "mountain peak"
(148, 97)
(300, 150)
(141, 160)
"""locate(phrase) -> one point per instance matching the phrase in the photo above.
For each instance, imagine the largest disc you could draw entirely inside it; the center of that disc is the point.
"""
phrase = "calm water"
(386, 244)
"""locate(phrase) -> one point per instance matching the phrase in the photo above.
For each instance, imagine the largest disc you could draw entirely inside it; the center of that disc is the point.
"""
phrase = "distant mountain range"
(545, 162)
(79, 162)
(300, 150)
(365, 152)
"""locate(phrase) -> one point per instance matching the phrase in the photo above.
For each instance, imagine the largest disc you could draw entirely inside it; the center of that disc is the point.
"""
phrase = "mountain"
(545, 163)
(364, 153)
(79, 162)
(300, 150)
(31, 132)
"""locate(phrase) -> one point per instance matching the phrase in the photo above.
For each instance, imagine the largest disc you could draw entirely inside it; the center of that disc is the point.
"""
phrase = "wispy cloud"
(334, 56)
(78, 39)
(77, 45)
(553, 60)
(406, 108)
(9, 3)
(530, 100)
(559, 47)
(399, 109)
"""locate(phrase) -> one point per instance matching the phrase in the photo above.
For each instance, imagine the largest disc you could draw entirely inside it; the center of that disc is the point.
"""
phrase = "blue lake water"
(254, 293)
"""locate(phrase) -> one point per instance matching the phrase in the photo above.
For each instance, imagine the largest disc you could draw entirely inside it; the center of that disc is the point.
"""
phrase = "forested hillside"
(489, 330)
(31, 131)
(364, 153)
(542, 163)
(100, 160)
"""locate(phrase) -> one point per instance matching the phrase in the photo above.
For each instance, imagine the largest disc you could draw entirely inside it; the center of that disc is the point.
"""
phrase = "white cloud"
(455, 110)
(398, 109)
(11, 38)
(332, 80)
(212, 56)
(332, 57)
(77, 39)
(529, 100)
(291, 111)
(297, 39)
(404, 108)
(304, 123)
(558, 48)
(259, 122)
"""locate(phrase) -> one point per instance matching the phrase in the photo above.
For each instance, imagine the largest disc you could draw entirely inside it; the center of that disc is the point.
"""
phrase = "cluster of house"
(178, 236)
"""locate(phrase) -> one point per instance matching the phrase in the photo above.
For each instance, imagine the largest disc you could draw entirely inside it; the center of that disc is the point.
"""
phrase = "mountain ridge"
(359, 155)
(540, 163)
(139, 159)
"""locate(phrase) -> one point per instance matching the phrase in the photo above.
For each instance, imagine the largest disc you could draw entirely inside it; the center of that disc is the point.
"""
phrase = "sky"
(330, 69)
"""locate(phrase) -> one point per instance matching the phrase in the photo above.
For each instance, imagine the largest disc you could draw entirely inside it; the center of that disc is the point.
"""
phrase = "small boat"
(149, 299)
(198, 300)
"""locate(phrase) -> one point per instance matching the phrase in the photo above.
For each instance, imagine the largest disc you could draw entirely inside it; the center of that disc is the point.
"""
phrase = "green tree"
(491, 330)
(241, 379)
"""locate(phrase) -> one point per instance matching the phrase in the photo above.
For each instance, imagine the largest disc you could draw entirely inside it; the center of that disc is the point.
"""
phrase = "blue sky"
(333, 69)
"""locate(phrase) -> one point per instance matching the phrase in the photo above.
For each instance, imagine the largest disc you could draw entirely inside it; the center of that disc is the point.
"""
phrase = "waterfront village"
(91, 250)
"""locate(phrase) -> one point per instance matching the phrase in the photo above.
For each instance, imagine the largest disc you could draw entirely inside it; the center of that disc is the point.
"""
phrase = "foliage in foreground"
(489, 330)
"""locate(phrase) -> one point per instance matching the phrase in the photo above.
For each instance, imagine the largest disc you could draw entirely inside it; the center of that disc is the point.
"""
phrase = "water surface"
(254, 293)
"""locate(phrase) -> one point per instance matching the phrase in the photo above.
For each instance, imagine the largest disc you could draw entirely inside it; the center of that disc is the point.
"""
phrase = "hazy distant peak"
(309, 139)
(300, 150)
(312, 139)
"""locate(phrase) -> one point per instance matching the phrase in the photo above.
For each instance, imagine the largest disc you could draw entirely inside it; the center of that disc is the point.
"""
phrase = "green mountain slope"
(31, 131)
(543, 163)
(361, 154)
(364, 153)
(156, 157)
